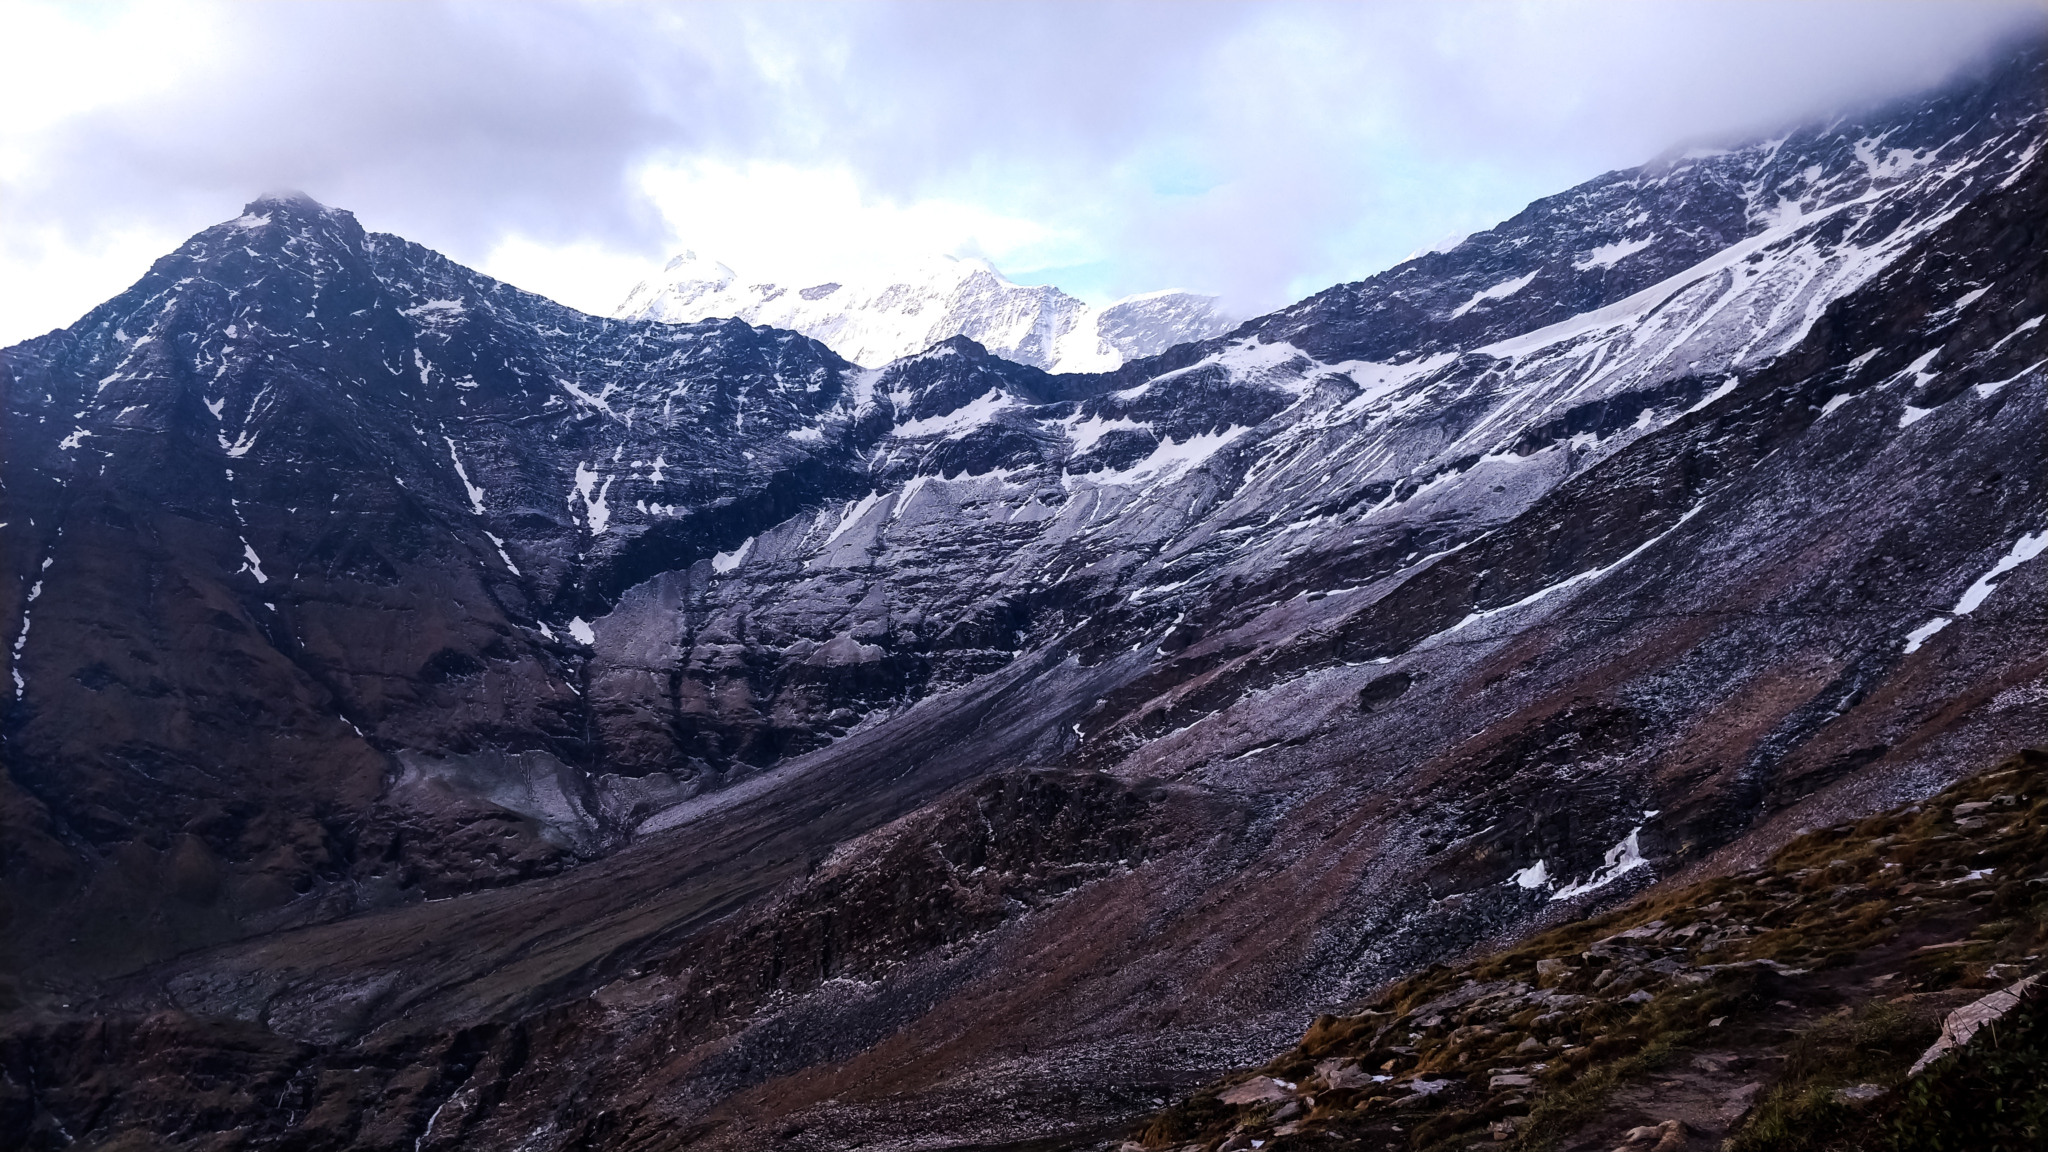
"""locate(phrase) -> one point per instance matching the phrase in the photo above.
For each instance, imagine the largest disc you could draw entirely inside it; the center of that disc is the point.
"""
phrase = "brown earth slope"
(1778, 1008)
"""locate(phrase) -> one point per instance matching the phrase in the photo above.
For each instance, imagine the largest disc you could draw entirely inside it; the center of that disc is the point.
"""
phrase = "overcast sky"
(1259, 151)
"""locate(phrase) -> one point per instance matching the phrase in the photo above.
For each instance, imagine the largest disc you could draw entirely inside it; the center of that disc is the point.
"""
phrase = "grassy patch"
(1564, 1110)
(1873, 1045)
(1992, 1097)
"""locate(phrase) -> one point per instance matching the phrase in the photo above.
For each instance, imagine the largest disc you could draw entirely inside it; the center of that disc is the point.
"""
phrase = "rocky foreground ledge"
(1869, 988)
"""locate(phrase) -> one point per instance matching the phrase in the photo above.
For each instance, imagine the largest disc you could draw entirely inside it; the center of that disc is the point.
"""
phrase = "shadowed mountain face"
(442, 719)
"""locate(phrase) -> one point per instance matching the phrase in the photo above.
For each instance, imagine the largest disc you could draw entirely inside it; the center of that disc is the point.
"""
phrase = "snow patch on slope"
(1622, 859)
(1086, 433)
(2023, 550)
(727, 561)
(596, 505)
(476, 494)
(1608, 255)
(1499, 291)
(961, 420)
(1168, 462)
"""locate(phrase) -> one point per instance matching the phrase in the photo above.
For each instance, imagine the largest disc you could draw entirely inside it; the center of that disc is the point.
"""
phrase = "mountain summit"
(437, 718)
(875, 319)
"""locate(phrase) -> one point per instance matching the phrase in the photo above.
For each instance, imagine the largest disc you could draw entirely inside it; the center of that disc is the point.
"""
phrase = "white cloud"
(790, 222)
(50, 277)
(72, 59)
(784, 223)
(582, 274)
(1259, 150)
(67, 61)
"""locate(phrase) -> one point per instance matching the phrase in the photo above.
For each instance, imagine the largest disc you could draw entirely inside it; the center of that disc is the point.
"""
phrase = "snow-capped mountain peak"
(688, 266)
(883, 316)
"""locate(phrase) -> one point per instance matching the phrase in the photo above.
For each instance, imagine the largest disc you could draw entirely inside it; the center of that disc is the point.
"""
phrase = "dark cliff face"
(306, 499)
(500, 726)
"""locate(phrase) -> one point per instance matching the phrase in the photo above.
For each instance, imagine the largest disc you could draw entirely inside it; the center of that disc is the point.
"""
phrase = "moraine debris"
(1737, 1009)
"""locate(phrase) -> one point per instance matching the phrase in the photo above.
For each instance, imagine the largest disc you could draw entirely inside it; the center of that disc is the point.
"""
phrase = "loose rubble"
(1717, 1012)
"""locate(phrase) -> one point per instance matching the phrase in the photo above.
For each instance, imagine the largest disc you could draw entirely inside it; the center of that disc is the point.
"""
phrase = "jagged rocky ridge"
(886, 317)
(430, 697)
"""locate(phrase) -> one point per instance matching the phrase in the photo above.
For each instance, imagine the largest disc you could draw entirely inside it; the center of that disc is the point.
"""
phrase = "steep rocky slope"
(1790, 1005)
(886, 317)
(442, 719)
